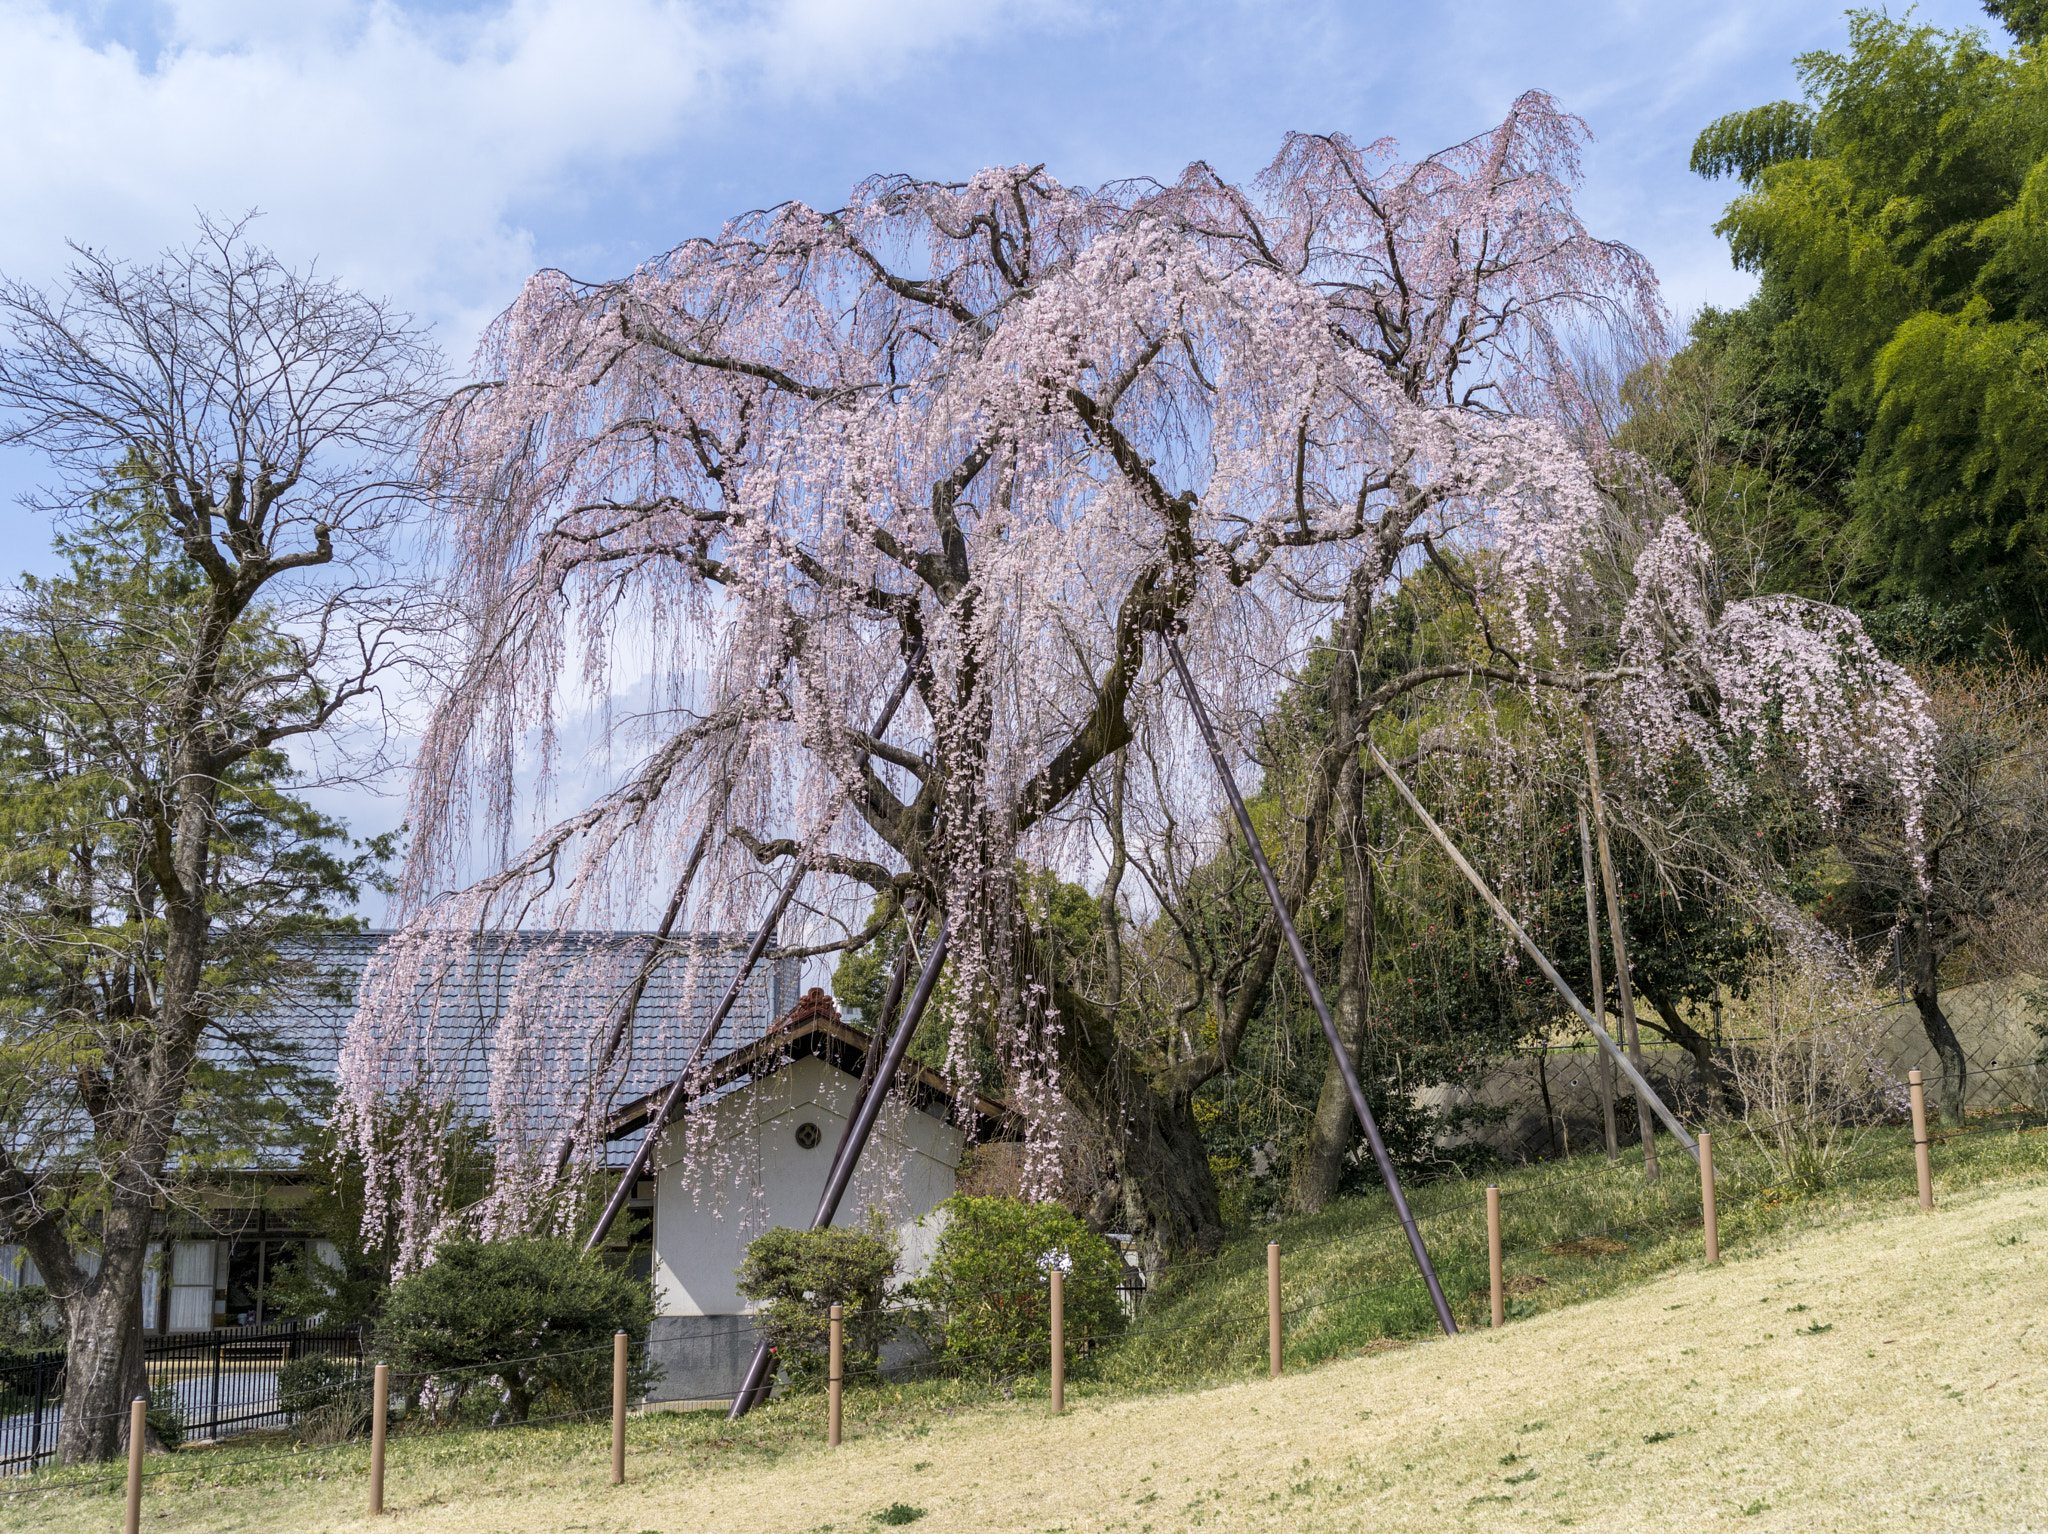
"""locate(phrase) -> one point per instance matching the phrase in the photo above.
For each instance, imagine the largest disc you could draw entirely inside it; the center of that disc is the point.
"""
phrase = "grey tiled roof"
(579, 979)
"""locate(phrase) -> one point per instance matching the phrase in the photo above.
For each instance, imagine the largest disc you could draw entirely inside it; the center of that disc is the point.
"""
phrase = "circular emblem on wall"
(807, 1136)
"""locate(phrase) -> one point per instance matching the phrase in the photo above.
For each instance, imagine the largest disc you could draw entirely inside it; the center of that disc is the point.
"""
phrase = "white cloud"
(399, 146)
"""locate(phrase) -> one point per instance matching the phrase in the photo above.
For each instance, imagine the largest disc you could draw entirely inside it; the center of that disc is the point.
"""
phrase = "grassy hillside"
(1852, 1363)
(1572, 1231)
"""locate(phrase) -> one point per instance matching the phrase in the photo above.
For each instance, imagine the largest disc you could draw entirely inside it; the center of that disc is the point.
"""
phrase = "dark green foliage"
(2026, 20)
(988, 1295)
(306, 1288)
(29, 1322)
(308, 1385)
(90, 658)
(797, 1276)
(533, 1312)
(897, 1513)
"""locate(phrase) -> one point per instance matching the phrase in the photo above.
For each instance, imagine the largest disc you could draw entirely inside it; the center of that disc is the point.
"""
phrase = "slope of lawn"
(1851, 1365)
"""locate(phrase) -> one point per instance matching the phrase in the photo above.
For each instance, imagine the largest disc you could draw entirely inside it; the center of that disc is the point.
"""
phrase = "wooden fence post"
(1273, 1309)
(380, 1409)
(1709, 1220)
(1921, 1163)
(835, 1380)
(1059, 1341)
(1500, 1299)
(138, 1432)
(619, 1343)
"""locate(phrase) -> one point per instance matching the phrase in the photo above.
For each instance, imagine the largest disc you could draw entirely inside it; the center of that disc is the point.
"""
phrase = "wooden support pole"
(835, 1379)
(1624, 981)
(380, 1410)
(1273, 1309)
(1921, 1162)
(138, 1434)
(1500, 1294)
(1059, 1341)
(1598, 1000)
(619, 1344)
(1709, 1219)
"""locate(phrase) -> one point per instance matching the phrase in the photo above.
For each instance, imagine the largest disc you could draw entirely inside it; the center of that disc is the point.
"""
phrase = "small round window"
(807, 1136)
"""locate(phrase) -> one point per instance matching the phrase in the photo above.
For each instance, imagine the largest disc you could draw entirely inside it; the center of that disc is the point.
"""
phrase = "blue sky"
(439, 152)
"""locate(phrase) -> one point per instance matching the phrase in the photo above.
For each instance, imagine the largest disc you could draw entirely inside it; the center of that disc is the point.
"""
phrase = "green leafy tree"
(1898, 218)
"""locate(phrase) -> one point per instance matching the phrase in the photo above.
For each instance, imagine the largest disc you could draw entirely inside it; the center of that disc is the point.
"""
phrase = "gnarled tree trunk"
(1955, 1066)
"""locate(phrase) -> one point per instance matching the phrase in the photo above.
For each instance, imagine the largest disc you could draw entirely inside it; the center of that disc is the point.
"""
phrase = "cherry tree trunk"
(1165, 1191)
(1320, 1165)
(1955, 1066)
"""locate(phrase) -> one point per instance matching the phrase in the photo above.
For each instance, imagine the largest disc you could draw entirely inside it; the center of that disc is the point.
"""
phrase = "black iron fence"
(218, 1383)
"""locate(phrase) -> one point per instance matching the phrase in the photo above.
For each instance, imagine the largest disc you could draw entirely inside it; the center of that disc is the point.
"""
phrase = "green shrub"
(165, 1415)
(988, 1295)
(308, 1384)
(328, 1398)
(797, 1276)
(533, 1314)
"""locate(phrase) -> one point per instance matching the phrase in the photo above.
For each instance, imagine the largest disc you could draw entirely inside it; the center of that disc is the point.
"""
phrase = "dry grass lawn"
(1887, 1372)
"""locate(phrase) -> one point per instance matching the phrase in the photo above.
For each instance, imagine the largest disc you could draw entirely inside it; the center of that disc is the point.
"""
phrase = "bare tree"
(252, 413)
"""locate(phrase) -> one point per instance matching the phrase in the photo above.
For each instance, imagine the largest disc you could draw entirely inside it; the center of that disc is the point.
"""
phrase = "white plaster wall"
(756, 1177)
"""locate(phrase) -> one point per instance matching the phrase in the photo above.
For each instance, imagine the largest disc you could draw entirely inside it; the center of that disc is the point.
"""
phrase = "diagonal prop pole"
(1550, 973)
(1308, 979)
(892, 1002)
(659, 1121)
(1606, 1070)
(848, 1159)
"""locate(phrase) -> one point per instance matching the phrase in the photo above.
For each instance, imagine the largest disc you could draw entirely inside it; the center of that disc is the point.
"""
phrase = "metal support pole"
(1498, 1280)
(138, 1431)
(755, 1384)
(1059, 1341)
(835, 1378)
(1338, 1052)
(1922, 1162)
(1274, 1362)
(1599, 997)
(220, 1346)
(1506, 919)
(380, 1411)
(619, 1356)
(659, 1120)
(1709, 1218)
(1624, 977)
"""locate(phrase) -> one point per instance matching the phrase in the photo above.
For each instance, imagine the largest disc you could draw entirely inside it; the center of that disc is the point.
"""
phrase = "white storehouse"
(756, 1156)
